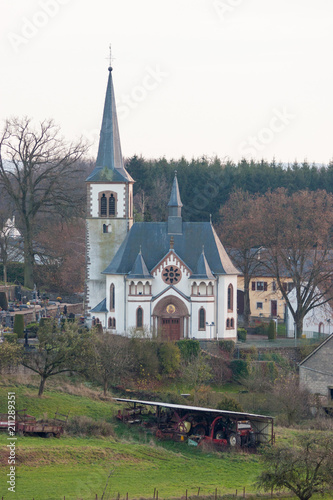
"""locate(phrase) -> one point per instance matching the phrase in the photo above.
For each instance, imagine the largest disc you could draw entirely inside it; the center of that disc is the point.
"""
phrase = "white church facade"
(171, 278)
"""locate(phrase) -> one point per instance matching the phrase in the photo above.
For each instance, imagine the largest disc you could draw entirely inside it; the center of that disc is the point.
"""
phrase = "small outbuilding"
(316, 370)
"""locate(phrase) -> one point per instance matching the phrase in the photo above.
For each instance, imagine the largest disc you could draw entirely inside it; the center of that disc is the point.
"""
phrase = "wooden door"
(171, 328)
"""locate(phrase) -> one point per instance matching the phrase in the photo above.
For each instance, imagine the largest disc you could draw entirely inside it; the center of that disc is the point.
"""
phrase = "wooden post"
(244, 492)
(199, 491)
(236, 492)
(215, 493)
(186, 494)
(156, 494)
(127, 496)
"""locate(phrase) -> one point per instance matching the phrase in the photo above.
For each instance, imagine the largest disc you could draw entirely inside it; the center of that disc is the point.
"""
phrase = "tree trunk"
(105, 387)
(28, 260)
(299, 326)
(41, 385)
(247, 307)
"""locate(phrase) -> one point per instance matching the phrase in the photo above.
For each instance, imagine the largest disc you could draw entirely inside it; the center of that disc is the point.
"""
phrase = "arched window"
(232, 323)
(105, 228)
(147, 290)
(140, 288)
(114, 323)
(230, 298)
(228, 323)
(110, 322)
(210, 288)
(202, 319)
(132, 288)
(103, 205)
(202, 288)
(112, 206)
(112, 297)
(139, 317)
(194, 289)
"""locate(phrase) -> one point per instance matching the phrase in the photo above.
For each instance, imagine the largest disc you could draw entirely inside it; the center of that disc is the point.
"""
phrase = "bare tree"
(37, 170)
(239, 232)
(113, 359)
(296, 231)
(304, 469)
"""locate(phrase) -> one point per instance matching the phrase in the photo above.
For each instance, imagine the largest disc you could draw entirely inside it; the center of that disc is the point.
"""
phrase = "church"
(173, 279)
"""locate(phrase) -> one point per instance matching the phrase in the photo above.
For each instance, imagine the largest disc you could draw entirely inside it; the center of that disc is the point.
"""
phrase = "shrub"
(189, 348)
(271, 332)
(32, 327)
(281, 330)
(241, 334)
(19, 325)
(229, 404)
(86, 426)
(15, 272)
(3, 301)
(261, 329)
(10, 337)
(239, 368)
(169, 358)
(228, 345)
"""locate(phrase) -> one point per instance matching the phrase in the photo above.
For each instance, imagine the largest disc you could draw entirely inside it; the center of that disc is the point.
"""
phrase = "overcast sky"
(233, 78)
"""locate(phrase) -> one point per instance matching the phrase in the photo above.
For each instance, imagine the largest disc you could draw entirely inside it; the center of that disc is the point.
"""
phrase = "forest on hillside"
(205, 184)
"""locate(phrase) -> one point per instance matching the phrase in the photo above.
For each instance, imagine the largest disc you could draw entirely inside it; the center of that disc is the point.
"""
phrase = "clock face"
(171, 275)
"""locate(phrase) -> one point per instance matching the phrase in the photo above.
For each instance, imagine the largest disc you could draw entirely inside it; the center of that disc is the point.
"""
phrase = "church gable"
(171, 269)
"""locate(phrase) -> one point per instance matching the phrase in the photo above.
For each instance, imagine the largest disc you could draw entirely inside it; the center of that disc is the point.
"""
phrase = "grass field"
(78, 467)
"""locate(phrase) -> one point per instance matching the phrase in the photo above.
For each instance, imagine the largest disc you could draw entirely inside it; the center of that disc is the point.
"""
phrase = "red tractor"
(227, 431)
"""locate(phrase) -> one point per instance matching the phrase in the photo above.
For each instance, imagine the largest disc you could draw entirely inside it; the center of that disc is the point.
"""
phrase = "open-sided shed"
(263, 425)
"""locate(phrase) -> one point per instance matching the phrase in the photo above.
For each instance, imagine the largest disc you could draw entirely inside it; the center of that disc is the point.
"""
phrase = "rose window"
(171, 275)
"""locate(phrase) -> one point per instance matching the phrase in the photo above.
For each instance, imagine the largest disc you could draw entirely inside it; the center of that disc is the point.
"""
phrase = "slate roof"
(109, 164)
(154, 240)
(100, 308)
(139, 269)
(203, 270)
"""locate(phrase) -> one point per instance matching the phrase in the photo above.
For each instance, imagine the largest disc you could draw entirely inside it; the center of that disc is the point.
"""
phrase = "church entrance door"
(171, 328)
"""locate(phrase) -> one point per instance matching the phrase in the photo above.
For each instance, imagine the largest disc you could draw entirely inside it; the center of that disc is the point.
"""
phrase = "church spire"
(175, 203)
(109, 163)
(175, 222)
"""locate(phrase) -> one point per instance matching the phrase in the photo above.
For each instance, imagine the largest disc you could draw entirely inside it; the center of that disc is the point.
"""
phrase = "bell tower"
(110, 203)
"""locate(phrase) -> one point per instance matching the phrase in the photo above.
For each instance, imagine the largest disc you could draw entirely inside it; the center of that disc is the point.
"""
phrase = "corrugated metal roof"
(196, 408)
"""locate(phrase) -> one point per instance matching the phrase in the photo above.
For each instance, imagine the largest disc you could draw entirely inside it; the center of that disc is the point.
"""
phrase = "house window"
(112, 206)
(103, 205)
(259, 305)
(139, 317)
(230, 298)
(228, 323)
(274, 286)
(232, 324)
(105, 228)
(114, 323)
(112, 297)
(202, 319)
(260, 286)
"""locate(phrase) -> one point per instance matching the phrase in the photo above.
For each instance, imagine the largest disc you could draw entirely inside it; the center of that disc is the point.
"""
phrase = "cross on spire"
(110, 58)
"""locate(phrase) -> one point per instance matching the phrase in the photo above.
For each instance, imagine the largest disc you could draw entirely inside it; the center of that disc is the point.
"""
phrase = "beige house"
(266, 301)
